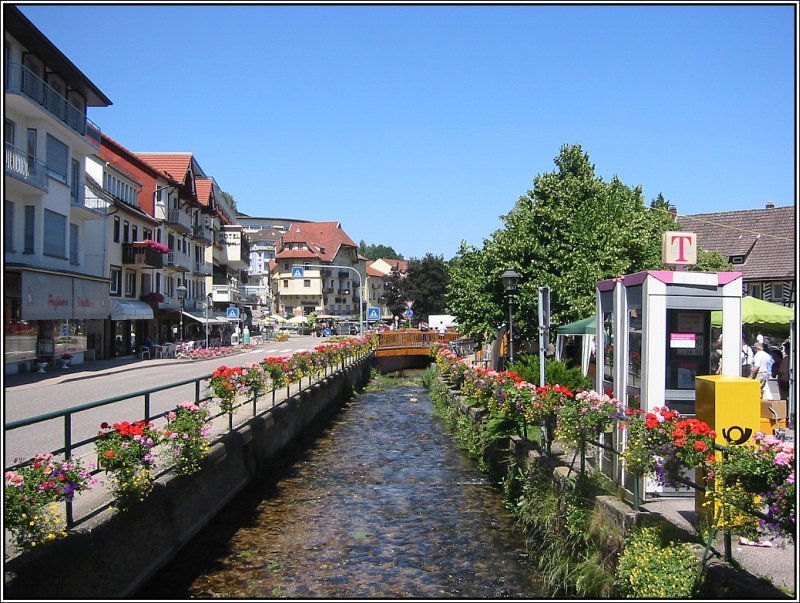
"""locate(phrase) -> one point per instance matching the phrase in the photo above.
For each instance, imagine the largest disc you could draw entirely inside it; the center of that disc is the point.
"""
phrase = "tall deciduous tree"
(425, 284)
(375, 252)
(572, 230)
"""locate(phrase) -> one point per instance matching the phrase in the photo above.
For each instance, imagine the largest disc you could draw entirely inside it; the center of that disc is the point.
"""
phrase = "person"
(783, 373)
(441, 328)
(747, 358)
(246, 335)
(762, 365)
(149, 344)
(326, 332)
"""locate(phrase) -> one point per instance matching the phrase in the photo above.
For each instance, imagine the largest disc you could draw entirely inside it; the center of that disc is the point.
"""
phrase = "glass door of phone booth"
(689, 352)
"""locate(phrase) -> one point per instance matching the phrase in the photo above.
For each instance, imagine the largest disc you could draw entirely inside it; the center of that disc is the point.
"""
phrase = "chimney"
(770, 204)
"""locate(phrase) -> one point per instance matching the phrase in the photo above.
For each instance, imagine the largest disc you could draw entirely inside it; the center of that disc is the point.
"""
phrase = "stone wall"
(115, 553)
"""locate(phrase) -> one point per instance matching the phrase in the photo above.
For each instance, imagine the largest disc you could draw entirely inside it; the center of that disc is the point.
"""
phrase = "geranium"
(275, 368)
(765, 470)
(31, 511)
(155, 246)
(253, 379)
(186, 435)
(226, 383)
(545, 402)
(125, 450)
(659, 442)
(585, 416)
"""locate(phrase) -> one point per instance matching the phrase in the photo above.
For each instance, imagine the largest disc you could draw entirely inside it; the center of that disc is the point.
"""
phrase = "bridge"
(398, 350)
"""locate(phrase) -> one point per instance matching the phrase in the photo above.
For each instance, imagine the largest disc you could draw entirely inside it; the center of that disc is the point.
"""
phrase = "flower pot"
(41, 366)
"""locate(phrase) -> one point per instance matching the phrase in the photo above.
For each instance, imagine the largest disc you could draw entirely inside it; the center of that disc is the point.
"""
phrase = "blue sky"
(418, 126)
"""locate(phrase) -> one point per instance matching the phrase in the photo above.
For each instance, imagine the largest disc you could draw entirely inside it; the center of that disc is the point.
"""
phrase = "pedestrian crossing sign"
(373, 314)
(297, 272)
(233, 313)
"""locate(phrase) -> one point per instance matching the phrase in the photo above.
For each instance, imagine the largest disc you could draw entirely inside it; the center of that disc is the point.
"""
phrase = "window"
(755, 290)
(126, 227)
(8, 226)
(75, 182)
(306, 282)
(32, 140)
(116, 281)
(73, 244)
(286, 283)
(285, 266)
(130, 283)
(55, 234)
(30, 224)
(57, 159)
(134, 233)
(777, 293)
(116, 229)
(9, 132)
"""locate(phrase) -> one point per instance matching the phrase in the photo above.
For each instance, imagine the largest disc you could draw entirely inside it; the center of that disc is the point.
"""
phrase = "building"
(759, 243)
(329, 282)
(379, 274)
(55, 283)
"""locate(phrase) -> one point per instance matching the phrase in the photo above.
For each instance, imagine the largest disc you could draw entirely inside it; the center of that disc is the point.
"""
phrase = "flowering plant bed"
(154, 245)
(125, 450)
(187, 436)
(31, 495)
(226, 383)
(586, 416)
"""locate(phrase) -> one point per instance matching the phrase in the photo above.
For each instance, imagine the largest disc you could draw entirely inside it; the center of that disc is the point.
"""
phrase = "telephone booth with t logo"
(655, 337)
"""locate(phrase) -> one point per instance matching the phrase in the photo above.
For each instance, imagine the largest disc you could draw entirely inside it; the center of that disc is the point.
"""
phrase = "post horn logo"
(736, 435)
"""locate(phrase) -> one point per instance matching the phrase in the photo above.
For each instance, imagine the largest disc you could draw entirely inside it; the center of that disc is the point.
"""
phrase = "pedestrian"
(442, 329)
(762, 366)
(747, 358)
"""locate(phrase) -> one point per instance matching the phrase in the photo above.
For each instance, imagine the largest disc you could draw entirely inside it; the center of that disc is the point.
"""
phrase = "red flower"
(110, 454)
(700, 446)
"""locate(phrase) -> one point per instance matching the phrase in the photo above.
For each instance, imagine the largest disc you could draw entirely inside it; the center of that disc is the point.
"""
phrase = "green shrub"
(651, 568)
(555, 372)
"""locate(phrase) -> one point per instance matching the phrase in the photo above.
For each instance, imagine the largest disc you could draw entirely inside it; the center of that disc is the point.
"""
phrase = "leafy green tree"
(375, 252)
(230, 200)
(425, 284)
(572, 230)
(393, 293)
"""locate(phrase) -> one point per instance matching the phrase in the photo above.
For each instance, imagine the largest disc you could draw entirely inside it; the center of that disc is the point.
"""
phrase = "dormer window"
(736, 260)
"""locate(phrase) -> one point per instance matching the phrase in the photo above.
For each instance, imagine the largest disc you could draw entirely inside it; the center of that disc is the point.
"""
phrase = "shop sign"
(91, 299)
(46, 297)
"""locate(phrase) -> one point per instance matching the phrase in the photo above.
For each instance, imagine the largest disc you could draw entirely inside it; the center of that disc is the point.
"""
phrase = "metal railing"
(25, 168)
(21, 80)
(257, 405)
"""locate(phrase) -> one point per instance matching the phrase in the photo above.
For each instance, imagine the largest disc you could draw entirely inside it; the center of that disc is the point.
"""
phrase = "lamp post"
(181, 291)
(510, 279)
(208, 306)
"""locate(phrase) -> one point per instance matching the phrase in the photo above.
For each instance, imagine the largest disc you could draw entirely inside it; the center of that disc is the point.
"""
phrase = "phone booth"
(654, 336)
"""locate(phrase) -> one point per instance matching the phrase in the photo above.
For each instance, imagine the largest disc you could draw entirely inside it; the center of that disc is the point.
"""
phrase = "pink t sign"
(679, 248)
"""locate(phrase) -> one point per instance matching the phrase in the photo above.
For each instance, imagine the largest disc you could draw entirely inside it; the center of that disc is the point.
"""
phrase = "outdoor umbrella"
(760, 313)
(277, 318)
(297, 320)
(585, 326)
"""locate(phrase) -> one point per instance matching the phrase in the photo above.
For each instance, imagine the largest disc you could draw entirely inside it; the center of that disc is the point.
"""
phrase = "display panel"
(688, 347)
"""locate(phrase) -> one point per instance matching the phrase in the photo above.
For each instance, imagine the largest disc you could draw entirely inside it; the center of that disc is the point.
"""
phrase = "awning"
(217, 318)
(128, 309)
(586, 326)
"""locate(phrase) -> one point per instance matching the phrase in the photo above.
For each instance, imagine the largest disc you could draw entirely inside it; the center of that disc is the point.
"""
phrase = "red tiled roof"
(767, 234)
(328, 237)
(374, 272)
(174, 165)
(204, 186)
(296, 253)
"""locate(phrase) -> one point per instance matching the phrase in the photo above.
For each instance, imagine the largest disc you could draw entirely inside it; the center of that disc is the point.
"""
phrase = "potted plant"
(125, 450)
(41, 363)
(186, 436)
(65, 360)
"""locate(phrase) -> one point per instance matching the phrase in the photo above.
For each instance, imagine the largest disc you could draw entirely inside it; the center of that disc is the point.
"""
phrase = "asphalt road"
(32, 394)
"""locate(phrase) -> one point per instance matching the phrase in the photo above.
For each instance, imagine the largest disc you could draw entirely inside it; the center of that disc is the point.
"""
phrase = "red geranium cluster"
(226, 383)
(694, 441)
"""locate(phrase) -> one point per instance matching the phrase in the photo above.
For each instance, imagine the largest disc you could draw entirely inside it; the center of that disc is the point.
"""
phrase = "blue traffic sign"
(297, 272)
(373, 313)
(233, 314)
(409, 313)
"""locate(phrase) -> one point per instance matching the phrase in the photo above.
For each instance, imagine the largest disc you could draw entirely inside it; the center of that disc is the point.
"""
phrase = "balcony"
(179, 221)
(26, 169)
(344, 274)
(203, 234)
(21, 80)
(143, 257)
(226, 294)
(79, 199)
(178, 262)
(201, 269)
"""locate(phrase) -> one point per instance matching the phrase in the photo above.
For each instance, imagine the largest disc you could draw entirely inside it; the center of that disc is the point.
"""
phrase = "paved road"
(32, 394)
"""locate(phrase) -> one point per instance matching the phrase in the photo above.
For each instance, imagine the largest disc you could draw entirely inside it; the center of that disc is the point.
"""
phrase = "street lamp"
(509, 279)
(181, 291)
(207, 307)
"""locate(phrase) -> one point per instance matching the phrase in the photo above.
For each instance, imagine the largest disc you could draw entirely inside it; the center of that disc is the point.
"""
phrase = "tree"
(393, 293)
(230, 200)
(374, 252)
(572, 230)
(425, 284)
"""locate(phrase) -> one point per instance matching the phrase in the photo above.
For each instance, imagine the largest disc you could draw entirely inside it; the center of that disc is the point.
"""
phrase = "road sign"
(409, 313)
(373, 313)
(233, 313)
(297, 272)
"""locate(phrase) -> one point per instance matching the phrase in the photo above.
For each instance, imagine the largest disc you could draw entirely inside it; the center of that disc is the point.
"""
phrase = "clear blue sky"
(418, 126)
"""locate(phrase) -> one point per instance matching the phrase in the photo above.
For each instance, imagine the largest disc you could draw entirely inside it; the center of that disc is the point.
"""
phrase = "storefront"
(130, 320)
(51, 316)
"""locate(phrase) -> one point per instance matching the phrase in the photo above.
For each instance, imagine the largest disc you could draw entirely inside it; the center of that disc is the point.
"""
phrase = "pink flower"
(783, 460)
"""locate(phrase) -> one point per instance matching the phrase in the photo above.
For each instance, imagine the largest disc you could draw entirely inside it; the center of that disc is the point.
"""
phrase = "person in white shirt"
(762, 365)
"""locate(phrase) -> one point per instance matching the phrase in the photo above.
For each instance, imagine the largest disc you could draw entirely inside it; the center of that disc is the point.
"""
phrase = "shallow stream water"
(379, 504)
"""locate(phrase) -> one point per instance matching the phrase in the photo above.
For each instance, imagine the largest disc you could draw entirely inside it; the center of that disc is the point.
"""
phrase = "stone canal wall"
(114, 554)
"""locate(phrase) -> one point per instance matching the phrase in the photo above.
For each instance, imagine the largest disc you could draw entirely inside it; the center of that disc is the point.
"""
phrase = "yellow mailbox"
(732, 408)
